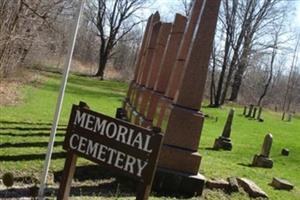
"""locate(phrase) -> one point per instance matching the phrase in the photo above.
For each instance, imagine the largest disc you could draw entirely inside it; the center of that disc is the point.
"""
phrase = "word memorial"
(114, 144)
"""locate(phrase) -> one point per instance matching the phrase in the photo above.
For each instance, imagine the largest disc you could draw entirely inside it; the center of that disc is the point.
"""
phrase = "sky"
(168, 8)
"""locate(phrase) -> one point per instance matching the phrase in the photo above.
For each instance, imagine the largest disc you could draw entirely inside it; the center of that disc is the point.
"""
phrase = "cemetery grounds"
(25, 129)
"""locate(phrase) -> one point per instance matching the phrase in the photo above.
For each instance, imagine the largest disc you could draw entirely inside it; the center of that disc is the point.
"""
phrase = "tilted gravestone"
(259, 114)
(224, 141)
(245, 110)
(289, 117)
(167, 92)
(263, 159)
(254, 112)
(250, 111)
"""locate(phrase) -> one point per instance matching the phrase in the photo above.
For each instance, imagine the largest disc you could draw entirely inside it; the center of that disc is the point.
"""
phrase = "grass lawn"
(25, 128)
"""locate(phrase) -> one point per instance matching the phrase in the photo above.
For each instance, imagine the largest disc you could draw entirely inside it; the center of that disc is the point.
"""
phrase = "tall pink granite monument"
(167, 92)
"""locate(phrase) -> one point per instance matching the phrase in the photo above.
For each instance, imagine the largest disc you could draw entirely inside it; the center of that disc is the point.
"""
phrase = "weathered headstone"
(283, 116)
(233, 184)
(251, 188)
(289, 117)
(285, 152)
(224, 141)
(217, 184)
(259, 114)
(245, 110)
(250, 111)
(263, 160)
(281, 184)
(254, 112)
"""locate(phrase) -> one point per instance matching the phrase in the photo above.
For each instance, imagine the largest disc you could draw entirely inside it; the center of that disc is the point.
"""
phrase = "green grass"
(25, 128)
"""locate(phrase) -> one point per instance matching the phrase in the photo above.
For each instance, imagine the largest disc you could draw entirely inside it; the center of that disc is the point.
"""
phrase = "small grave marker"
(263, 159)
(259, 114)
(224, 141)
(114, 144)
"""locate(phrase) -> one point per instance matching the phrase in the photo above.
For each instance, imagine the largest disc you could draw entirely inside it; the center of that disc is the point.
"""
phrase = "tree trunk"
(101, 67)
(270, 76)
(238, 76)
(212, 83)
(103, 58)
(237, 81)
(228, 79)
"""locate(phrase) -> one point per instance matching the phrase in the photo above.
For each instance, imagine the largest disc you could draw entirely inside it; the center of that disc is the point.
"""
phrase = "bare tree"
(187, 6)
(292, 80)
(21, 21)
(113, 19)
(230, 11)
(260, 14)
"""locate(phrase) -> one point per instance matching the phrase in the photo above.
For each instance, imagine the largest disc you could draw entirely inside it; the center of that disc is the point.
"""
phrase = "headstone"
(166, 66)
(175, 98)
(233, 184)
(224, 141)
(217, 184)
(263, 160)
(250, 111)
(245, 110)
(259, 114)
(283, 116)
(178, 67)
(281, 184)
(134, 87)
(289, 117)
(159, 49)
(182, 120)
(142, 79)
(285, 152)
(254, 112)
(140, 58)
(251, 188)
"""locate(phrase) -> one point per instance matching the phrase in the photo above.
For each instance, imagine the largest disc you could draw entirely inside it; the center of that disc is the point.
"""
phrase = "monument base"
(172, 183)
(262, 161)
(222, 143)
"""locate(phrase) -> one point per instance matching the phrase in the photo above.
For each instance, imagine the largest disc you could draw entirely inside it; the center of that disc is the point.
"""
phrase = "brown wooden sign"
(112, 143)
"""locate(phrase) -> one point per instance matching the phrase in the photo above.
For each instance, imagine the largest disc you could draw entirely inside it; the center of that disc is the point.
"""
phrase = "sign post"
(114, 144)
(60, 98)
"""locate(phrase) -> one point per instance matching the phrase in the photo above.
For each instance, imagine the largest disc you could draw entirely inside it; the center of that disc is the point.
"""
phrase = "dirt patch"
(10, 88)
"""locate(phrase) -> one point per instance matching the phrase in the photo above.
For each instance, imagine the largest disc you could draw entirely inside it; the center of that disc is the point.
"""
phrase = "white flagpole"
(60, 98)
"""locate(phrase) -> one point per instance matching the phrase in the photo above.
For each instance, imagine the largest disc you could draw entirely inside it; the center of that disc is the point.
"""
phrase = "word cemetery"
(114, 144)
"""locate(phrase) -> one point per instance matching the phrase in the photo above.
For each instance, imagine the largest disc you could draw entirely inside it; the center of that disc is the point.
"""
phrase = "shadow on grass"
(111, 189)
(211, 149)
(28, 144)
(30, 157)
(31, 128)
(41, 134)
(29, 123)
(88, 172)
(245, 165)
(93, 91)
